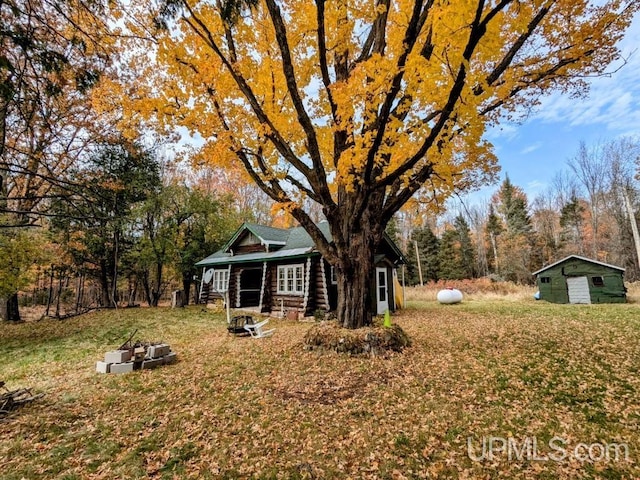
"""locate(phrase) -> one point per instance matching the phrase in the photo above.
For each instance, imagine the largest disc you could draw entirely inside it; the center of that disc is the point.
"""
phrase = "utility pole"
(415, 244)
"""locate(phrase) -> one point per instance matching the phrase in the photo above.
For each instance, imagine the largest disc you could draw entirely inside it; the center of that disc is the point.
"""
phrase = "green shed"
(576, 279)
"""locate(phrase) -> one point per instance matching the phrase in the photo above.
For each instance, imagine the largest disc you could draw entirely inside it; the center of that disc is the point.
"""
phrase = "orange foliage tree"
(358, 105)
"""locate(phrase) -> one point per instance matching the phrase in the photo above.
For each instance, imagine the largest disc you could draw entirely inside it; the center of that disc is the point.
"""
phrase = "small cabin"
(279, 271)
(576, 279)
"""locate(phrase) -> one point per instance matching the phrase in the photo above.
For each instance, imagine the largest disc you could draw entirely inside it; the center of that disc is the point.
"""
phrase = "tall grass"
(476, 289)
(480, 289)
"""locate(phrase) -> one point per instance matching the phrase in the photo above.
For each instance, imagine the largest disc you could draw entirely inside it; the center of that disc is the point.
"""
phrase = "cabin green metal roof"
(267, 235)
(227, 258)
(585, 259)
(299, 238)
(295, 242)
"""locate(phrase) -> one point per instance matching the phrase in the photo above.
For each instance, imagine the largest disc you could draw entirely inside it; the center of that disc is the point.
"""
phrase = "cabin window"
(221, 280)
(545, 279)
(291, 279)
(334, 276)
(597, 281)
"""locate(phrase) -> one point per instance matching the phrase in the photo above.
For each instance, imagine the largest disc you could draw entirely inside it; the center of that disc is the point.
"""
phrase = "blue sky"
(531, 153)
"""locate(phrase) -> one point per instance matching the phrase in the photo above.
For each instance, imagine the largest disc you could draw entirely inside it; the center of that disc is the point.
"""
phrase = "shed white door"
(382, 290)
(578, 288)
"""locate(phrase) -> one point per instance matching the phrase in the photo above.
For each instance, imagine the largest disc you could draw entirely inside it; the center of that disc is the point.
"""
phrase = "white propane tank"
(449, 295)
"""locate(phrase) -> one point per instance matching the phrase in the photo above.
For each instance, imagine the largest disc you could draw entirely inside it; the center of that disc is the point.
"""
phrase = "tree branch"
(317, 176)
(418, 18)
(340, 136)
(200, 29)
(475, 35)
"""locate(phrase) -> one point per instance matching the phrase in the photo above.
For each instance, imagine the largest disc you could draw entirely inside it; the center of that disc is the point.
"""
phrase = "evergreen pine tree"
(428, 246)
(518, 240)
(571, 223)
(493, 229)
(451, 266)
(466, 251)
(513, 206)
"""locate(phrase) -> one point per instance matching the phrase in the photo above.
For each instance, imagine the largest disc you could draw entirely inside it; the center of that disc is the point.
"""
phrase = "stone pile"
(138, 357)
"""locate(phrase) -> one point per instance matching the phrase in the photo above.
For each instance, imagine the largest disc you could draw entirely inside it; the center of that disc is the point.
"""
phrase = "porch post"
(238, 276)
(264, 278)
(204, 269)
(325, 292)
(307, 276)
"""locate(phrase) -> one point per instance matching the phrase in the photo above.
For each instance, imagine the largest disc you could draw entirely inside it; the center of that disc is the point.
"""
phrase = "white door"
(578, 288)
(382, 290)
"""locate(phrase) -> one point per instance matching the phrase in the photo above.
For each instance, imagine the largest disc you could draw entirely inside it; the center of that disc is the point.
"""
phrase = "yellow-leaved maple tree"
(357, 105)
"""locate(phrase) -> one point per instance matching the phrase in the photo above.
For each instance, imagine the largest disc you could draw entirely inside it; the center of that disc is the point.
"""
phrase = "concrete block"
(122, 367)
(157, 351)
(102, 367)
(139, 354)
(170, 358)
(152, 363)
(117, 356)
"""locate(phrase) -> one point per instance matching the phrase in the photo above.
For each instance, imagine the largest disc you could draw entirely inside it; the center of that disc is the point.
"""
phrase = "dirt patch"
(323, 392)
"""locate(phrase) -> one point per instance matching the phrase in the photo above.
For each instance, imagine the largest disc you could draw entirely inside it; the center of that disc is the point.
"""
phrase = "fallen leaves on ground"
(246, 408)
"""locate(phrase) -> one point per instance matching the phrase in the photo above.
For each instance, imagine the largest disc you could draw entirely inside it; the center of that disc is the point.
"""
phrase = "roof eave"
(266, 257)
(578, 257)
(401, 258)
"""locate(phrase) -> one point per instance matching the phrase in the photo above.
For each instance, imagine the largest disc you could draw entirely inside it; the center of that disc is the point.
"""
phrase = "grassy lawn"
(245, 408)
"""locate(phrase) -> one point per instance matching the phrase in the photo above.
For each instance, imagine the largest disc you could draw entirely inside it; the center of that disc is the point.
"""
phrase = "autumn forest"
(135, 137)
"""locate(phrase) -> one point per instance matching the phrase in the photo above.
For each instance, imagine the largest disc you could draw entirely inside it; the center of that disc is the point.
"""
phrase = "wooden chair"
(256, 330)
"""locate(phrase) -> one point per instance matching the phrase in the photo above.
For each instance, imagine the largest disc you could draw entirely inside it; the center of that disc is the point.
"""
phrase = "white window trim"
(220, 281)
(286, 269)
(333, 277)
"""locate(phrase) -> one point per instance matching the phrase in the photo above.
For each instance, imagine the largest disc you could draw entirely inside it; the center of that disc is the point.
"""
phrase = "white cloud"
(535, 186)
(531, 148)
(613, 101)
(502, 132)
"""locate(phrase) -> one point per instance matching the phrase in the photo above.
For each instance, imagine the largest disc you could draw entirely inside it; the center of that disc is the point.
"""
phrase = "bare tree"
(590, 167)
(564, 186)
(477, 216)
(622, 155)
(546, 223)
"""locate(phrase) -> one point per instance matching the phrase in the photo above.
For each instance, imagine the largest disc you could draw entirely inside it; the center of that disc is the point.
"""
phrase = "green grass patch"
(244, 408)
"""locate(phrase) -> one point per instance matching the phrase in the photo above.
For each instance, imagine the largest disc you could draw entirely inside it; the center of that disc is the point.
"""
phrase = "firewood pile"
(12, 399)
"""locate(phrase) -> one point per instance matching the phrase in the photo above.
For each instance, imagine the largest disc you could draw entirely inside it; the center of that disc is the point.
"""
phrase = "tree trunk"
(146, 286)
(494, 247)
(59, 295)
(632, 220)
(355, 278)
(186, 287)
(156, 290)
(9, 310)
(133, 290)
(105, 287)
(50, 293)
(114, 285)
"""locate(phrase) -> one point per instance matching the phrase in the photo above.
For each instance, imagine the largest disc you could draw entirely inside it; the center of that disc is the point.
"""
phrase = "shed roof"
(585, 259)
